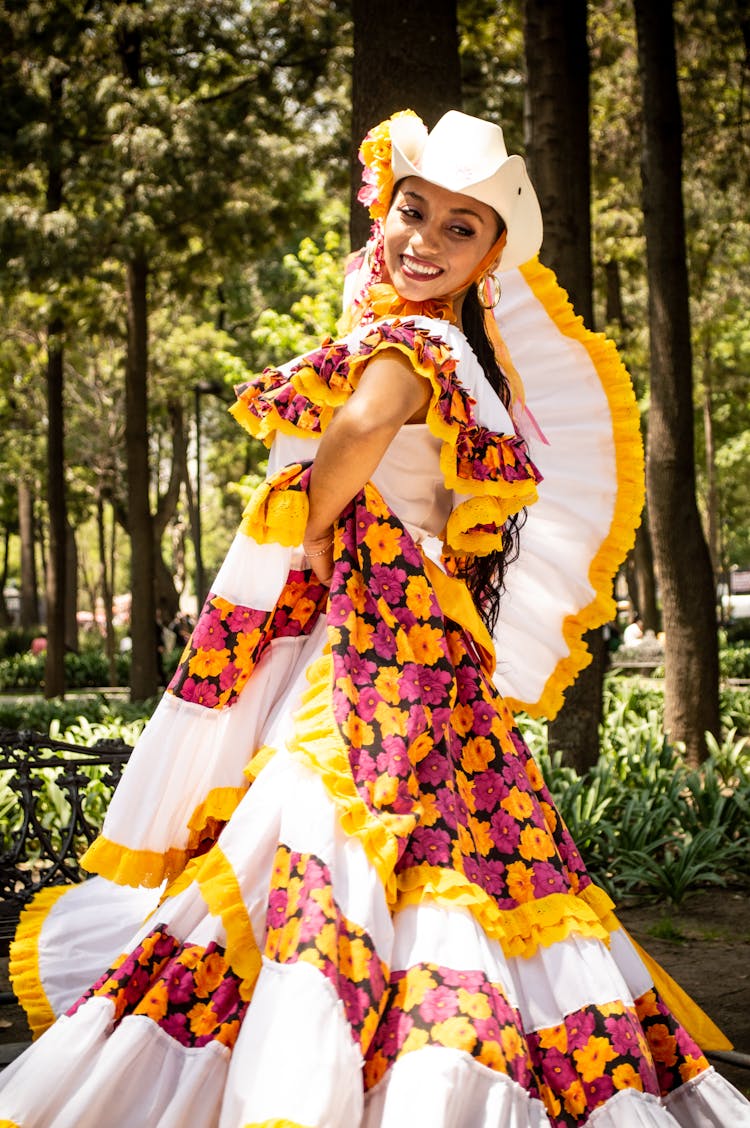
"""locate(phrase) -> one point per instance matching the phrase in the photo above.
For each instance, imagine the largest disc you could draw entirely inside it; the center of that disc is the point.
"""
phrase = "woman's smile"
(435, 240)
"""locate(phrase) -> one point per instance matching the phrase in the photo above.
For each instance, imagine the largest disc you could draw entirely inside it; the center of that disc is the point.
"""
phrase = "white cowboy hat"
(467, 155)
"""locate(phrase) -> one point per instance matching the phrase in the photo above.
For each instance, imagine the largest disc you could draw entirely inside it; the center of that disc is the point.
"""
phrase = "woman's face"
(435, 239)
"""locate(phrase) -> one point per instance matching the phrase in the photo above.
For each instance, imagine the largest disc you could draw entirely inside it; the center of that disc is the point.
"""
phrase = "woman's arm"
(389, 394)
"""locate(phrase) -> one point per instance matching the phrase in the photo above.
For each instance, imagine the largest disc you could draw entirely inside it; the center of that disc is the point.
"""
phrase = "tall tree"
(683, 561)
(557, 63)
(57, 557)
(405, 57)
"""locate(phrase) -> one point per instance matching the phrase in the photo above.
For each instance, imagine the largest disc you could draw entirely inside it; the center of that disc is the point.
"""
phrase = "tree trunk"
(712, 487)
(4, 614)
(640, 576)
(71, 590)
(557, 144)
(106, 585)
(557, 65)
(144, 678)
(682, 558)
(29, 588)
(54, 671)
(405, 57)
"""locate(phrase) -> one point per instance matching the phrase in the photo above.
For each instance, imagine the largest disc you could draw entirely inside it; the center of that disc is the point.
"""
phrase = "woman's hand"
(319, 553)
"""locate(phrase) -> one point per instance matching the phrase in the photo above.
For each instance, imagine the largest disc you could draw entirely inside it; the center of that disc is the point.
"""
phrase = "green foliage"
(734, 661)
(645, 823)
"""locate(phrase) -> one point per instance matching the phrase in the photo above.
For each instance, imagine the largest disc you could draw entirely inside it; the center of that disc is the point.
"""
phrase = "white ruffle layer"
(295, 1059)
(564, 530)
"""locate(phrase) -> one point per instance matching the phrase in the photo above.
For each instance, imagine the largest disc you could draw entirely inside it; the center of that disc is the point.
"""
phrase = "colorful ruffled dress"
(333, 887)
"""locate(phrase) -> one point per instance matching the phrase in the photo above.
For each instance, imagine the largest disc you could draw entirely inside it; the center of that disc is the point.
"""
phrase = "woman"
(361, 906)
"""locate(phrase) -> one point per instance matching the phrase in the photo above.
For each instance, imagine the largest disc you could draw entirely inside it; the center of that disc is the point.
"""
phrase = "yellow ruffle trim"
(492, 502)
(221, 892)
(317, 741)
(275, 514)
(519, 931)
(25, 975)
(262, 1124)
(125, 866)
(263, 756)
(628, 449)
(280, 516)
(687, 1012)
(217, 808)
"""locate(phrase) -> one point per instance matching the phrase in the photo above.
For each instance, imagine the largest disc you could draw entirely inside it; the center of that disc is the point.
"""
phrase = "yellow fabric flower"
(626, 1077)
(554, 1038)
(535, 844)
(425, 643)
(384, 790)
(383, 542)
(462, 719)
(511, 1042)
(574, 1097)
(415, 1040)
(419, 597)
(474, 1003)
(357, 732)
(430, 813)
(209, 974)
(457, 1032)
(208, 663)
(663, 1044)
(692, 1066)
(392, 722)
(592, 1060)
(418, 982)
(517, 803)
(155, 1002)
(354, 958)
(481, 832)
(387, 685)
(534, 775)
(361, 635)
(520, 882)
(478, 753)
(203, 1019)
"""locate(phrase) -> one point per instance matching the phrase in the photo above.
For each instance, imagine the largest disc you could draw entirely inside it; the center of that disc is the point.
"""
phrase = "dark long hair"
(485, 575)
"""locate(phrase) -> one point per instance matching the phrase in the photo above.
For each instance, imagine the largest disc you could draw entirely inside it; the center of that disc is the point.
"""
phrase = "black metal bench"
(51, 807)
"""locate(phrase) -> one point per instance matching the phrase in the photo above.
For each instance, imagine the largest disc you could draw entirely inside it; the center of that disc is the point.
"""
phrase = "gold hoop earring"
(488, 291)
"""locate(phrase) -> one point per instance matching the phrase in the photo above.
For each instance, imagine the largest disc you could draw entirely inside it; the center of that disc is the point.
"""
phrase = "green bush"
(734, 661)
(16, 640)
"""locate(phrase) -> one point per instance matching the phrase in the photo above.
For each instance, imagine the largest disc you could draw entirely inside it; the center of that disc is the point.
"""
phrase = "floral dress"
(333, 886)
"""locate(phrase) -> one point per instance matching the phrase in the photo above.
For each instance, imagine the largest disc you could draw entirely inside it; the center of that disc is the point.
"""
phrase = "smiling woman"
(354, 902)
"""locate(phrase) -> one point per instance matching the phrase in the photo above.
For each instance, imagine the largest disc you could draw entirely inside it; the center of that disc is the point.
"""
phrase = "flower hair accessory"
(375, 154)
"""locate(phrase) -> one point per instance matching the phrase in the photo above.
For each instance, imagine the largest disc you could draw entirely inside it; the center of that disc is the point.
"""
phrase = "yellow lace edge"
(482, 507)
(220, 890)
(276, 515)
(629, 464)
(12, 1124)
(23, 965)
(686, 1011)
(257, 1124)
(276, 519)
(128, 866)
(519, 931)
(317, 742)
(218, 807)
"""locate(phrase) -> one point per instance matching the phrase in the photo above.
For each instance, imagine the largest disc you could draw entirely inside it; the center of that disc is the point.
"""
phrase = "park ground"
(704, 944)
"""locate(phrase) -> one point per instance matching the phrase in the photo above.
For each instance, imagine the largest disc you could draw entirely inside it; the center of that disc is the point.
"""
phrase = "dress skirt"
(334, 891)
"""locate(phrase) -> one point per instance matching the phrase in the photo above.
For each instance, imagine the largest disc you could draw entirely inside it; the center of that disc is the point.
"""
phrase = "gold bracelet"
(321, 552)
